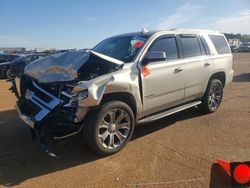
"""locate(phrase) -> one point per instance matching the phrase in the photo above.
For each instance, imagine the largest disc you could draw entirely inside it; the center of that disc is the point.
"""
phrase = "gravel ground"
(177, 151)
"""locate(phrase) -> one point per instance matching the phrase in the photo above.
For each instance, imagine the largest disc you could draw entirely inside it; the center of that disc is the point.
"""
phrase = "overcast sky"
(83, 23)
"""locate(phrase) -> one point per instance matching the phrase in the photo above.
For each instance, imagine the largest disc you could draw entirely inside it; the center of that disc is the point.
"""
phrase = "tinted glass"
(167, 45)
(123, 48)
(4, 58)
(191, 46)
(220, 44)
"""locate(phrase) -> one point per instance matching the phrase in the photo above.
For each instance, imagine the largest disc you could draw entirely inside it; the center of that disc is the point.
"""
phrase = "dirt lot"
(177, 151)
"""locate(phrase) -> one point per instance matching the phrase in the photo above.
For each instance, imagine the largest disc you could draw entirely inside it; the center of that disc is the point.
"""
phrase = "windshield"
(123, 48)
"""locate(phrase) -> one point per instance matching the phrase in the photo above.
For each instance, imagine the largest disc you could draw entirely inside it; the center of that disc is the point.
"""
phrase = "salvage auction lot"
(177, 151)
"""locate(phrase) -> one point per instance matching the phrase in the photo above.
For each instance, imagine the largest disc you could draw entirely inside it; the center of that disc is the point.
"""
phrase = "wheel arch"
(125, 97)
(221, 75)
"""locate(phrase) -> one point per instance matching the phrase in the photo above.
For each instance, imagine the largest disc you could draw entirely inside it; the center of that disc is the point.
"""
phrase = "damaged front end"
(57, 92)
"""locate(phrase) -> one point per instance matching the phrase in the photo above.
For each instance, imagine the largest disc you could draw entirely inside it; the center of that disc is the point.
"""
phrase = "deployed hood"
(65, 66)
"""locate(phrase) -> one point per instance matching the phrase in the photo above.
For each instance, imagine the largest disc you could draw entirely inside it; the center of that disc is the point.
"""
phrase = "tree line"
(242, 37)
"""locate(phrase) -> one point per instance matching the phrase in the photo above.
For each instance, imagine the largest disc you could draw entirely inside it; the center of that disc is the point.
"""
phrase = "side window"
(167, 45)
(220, 44)
(191, 46)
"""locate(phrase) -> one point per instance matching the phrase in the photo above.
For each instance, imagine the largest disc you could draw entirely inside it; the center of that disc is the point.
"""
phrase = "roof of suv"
(172, 31)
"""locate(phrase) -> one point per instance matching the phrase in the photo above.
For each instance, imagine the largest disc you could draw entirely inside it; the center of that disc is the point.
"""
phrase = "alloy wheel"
(215, 96)
(114, 128)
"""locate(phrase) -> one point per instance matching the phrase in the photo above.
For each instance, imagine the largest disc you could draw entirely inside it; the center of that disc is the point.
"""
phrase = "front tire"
(109, 128)
(213, 96)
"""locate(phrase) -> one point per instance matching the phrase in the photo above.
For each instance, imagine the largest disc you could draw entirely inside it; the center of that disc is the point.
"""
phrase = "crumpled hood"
(62, 67)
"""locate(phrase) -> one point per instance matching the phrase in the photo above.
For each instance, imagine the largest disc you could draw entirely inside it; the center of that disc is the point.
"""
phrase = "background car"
(233, 48)
(9, 70)
(243, 47)
(7, 58)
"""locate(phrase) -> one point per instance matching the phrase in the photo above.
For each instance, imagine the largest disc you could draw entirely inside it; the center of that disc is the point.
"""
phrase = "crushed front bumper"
(36, 104)
(48, 116)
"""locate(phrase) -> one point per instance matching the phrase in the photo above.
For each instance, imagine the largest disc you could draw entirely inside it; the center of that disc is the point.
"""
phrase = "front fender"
(95, 90)
(109, 84)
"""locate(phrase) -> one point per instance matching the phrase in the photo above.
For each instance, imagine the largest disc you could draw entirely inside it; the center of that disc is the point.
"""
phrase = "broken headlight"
(83, 95)
(73, 99)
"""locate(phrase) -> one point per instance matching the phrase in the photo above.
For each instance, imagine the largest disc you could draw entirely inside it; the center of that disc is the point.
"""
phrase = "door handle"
(179, 69)
(207, 64)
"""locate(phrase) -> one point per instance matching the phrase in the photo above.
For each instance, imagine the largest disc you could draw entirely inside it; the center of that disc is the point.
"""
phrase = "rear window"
(191, 46)
(220, 44)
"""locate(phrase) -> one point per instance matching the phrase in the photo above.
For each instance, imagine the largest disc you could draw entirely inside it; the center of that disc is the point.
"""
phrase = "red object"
(145, 71)
(138, 44)
(242, 174)
(225, 165)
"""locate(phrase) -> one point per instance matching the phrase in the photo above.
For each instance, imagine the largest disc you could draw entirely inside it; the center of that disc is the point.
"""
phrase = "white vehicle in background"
(243, 47)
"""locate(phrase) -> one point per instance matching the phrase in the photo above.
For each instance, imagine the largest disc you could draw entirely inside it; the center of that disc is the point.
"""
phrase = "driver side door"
(164, 86)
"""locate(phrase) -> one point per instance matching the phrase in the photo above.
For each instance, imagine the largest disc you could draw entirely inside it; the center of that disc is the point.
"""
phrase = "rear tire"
(212, 97)
(109, 128)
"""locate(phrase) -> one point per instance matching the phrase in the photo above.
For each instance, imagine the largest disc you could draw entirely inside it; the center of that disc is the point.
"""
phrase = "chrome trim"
(50, 105)
(45, 107)
(43, 112)
(169, 112)
(50, 95)
(25, 118)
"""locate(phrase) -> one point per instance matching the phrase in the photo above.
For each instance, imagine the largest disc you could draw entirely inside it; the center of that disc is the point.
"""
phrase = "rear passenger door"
(199, 65)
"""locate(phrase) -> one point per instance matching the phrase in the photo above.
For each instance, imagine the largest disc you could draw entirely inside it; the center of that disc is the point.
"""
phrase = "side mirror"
(154, 56)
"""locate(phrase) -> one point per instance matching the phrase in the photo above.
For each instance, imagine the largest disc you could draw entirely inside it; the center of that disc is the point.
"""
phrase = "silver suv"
(124, 80)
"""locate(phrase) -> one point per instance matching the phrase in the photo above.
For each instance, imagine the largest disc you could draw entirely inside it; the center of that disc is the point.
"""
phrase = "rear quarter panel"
(221, 62)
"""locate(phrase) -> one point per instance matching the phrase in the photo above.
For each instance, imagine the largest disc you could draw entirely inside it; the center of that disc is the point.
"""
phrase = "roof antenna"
(144, 30)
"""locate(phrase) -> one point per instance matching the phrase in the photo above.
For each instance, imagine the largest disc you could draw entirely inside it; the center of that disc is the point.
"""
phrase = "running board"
(169, 112)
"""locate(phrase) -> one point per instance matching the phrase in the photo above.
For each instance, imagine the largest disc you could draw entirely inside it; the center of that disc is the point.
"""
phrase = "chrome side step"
(169, 112)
